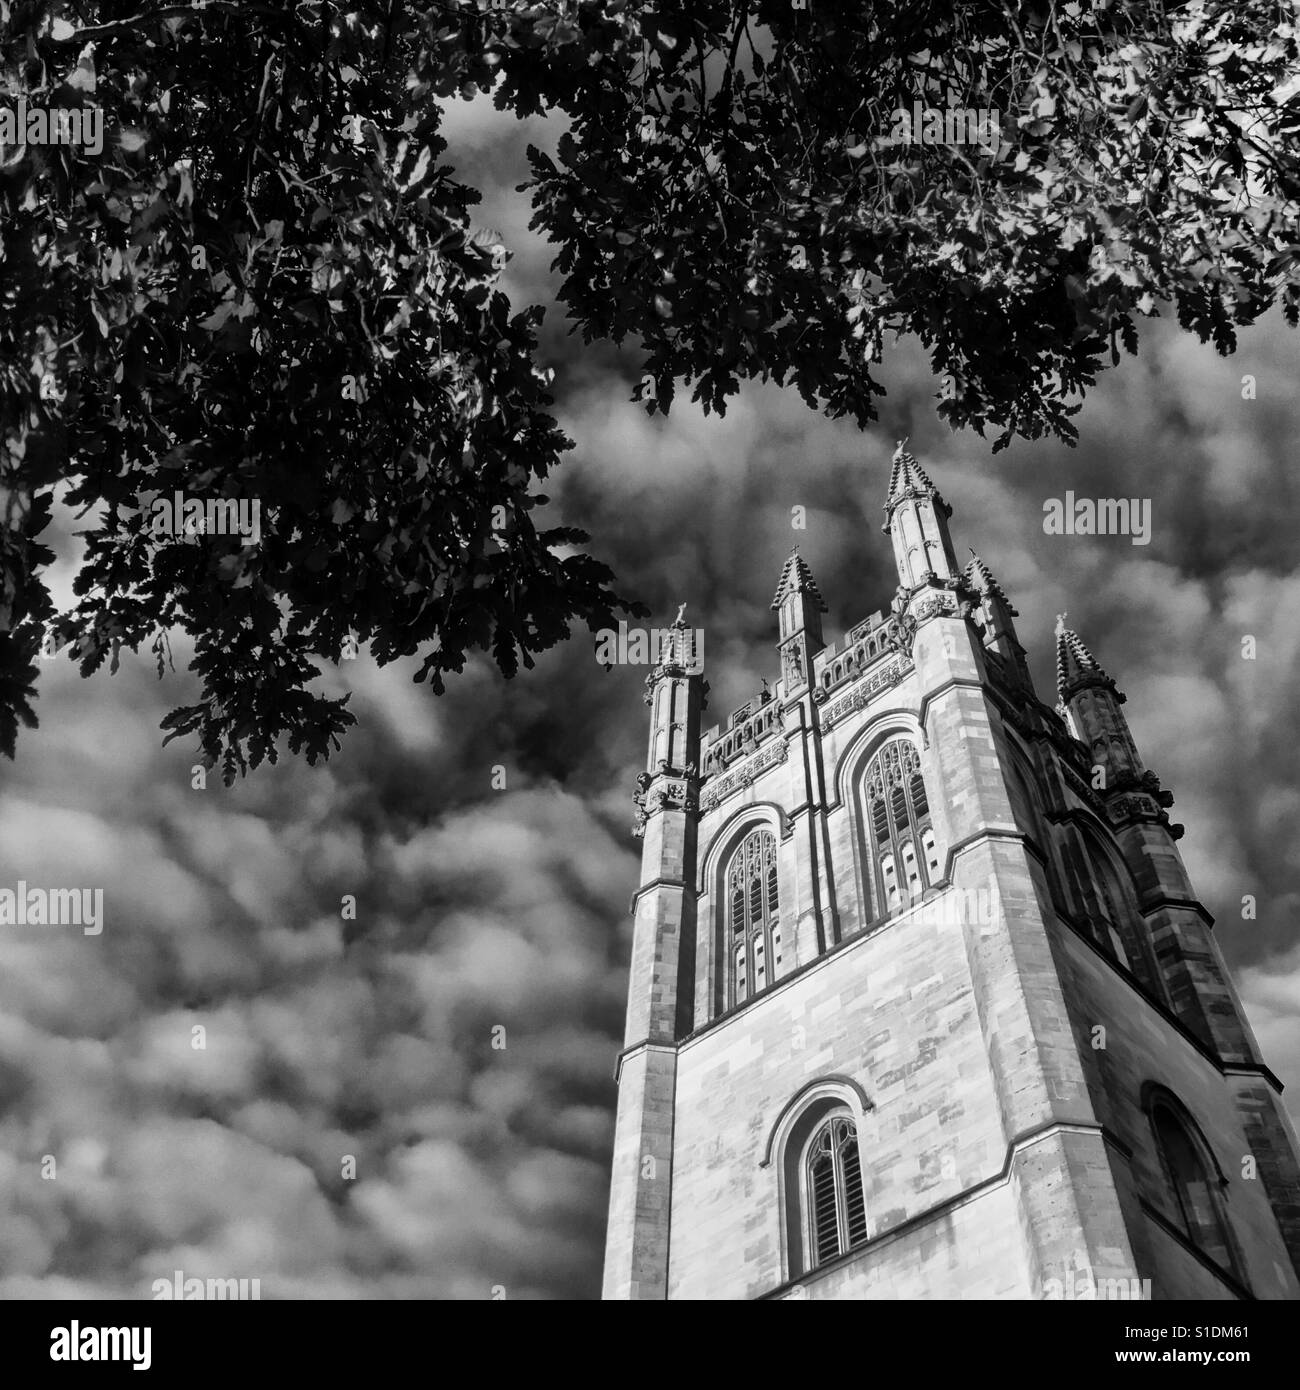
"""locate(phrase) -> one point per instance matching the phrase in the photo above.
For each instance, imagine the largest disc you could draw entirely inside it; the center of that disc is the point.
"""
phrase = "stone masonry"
(999, 1040)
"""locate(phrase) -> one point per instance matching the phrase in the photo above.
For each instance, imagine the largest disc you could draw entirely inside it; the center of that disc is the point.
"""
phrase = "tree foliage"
(266, 287)
(734, 190)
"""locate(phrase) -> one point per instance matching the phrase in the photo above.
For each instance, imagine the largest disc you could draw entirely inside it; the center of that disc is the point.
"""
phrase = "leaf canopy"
(265, 287)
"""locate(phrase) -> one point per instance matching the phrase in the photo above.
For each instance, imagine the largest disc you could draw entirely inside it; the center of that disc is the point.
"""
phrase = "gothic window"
(1191, 1176)
(1107, 912)
(905, 853)
(836, 1207)
(1026, 802)
(754, 924)
(1099, 899)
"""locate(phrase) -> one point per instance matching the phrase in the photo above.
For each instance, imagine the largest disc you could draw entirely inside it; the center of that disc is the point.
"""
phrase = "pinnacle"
(1074, 662)
(978, 575)
(909, 479)
(796, 577)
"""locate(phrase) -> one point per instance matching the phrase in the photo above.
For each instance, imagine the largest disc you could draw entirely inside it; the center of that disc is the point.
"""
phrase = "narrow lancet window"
(753, 890)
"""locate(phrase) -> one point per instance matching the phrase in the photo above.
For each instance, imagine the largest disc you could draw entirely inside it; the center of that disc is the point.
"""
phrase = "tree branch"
(194, 11)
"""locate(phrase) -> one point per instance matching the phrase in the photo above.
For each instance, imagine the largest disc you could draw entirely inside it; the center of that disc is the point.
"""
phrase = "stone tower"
(922, 1002)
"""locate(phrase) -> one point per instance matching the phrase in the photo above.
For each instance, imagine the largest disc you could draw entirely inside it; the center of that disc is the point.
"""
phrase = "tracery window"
(903, 848)
(1099, 898)
(1106, 913)
(753, 916)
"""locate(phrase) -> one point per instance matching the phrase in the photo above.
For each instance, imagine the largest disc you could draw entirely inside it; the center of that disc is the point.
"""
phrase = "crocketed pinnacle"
(909, 479)
(796, 578)
(677, 647)
(1076, 666)
(978, 575)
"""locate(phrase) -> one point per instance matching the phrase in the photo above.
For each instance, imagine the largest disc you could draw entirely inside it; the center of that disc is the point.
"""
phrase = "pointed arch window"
(1100, 900)
(904, 851)
(1106, 913)
(836, 1207)
(754, 921)
(1191, 1175)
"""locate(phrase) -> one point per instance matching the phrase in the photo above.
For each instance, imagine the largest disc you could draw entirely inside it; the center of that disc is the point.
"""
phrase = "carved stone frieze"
(718, 789)
(866, 690)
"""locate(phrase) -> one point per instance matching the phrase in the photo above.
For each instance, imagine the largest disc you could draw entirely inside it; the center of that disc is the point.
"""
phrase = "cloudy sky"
(501, 912)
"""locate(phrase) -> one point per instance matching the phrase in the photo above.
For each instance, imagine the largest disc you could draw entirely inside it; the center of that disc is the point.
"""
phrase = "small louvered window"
(837, 1210)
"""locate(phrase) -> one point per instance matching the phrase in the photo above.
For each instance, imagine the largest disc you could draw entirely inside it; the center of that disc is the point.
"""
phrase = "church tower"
(922, 1002)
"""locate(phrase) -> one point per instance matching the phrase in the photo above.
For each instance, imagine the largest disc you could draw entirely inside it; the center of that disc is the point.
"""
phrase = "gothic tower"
(922, 1002)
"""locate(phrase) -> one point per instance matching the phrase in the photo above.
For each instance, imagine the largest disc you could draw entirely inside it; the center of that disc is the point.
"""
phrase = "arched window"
(754, 924)
(1193, 1184)
(1027, 800)
(1106, 914)
(1099, 898)
(902, 845)
(836, 1210)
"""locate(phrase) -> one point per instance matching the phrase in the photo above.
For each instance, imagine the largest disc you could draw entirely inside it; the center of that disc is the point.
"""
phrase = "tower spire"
(796, 578)
(916, 519)
(1090, 704)
(978, 575)
(661, 986)
(799, 606)
(997, 615)
(908, 479)
(1076, 667)
(677, 649)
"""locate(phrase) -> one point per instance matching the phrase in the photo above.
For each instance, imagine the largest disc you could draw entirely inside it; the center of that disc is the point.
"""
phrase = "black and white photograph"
(649, 652)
